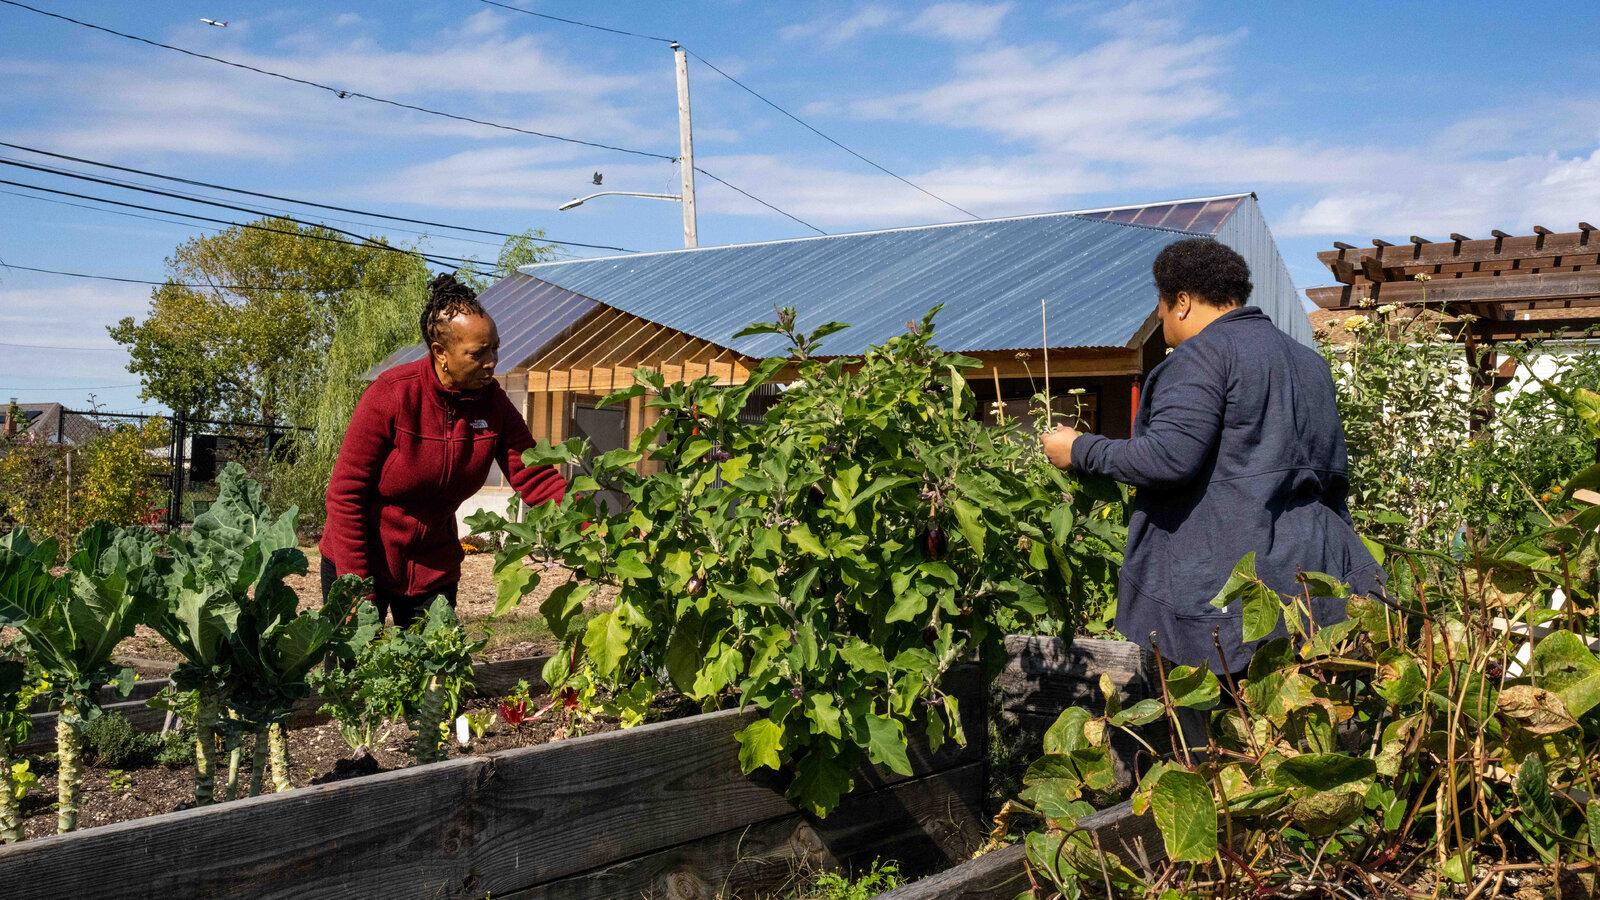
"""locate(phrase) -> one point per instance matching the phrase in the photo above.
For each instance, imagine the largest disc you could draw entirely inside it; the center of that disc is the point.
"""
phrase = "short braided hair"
(447, 298)
(1208, 269)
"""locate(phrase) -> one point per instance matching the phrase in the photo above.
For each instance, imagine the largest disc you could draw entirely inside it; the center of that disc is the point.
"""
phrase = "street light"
(579, 201)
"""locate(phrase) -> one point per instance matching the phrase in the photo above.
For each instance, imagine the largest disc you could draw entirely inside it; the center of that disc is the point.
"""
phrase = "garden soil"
(316, 754)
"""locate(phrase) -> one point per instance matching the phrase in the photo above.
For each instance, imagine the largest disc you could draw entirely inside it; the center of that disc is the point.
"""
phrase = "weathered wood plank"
(1507, 288)
(1516, 247)
(1134, 839)
(465, 827)
(1001, 874)
(922, 824)
(399, 834)
(624, 794)
(997, 875)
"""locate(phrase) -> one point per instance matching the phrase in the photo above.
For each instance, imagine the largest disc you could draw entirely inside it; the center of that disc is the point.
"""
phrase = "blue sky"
(1350, 120)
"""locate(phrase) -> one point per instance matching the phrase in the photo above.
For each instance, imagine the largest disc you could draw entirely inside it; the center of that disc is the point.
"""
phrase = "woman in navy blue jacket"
(1236, 447)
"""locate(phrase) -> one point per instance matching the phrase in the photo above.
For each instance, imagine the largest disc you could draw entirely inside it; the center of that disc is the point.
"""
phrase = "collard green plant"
(826, 565)
(248, 650)
(71, 623)
(17, 687)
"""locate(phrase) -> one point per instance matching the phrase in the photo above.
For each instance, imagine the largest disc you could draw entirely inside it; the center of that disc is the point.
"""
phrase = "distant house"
(572, 332)
(49, 423)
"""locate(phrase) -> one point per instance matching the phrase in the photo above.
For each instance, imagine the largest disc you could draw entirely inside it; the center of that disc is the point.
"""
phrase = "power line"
(760, 201)
(445, 261)
(52, 170)
(113, 212)
(49, 347)
(298, 202)
(747, 89)
(183, 284)
(814, 130)
(342, 94)
(93, 387)
(529, 12)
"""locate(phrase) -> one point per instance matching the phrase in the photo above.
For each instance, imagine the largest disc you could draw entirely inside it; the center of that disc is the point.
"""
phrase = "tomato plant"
(827, 564)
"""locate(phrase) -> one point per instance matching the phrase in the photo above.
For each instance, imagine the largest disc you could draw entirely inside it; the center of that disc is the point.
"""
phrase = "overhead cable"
(342, 94)
(529, 12)
(52, 170)
(445, 261)
(747, 89)
(183, 284)
(760, 201)
(282, 199)
(814, 130)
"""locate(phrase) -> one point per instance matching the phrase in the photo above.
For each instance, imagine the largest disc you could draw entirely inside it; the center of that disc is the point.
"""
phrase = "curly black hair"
(1207, 269)
(447, 298)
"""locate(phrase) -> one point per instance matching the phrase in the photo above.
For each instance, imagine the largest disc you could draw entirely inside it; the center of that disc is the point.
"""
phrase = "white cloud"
(833, 32)
(1471, 197)
(66, 315)
(166, 104)
(517, 178)
(1146, 111)
(960, 21)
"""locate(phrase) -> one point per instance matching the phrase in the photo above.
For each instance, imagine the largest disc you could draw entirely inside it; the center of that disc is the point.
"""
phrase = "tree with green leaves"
(252, 346)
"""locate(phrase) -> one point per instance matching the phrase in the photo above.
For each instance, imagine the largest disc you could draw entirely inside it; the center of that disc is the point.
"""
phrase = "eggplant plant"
(827, 564)
(71, 623)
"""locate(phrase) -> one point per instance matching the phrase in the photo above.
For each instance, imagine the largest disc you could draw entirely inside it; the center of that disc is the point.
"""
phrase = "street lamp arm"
(582, 200)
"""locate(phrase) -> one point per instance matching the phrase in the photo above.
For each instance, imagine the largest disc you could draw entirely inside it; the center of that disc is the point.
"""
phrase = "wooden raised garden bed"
(658, 810)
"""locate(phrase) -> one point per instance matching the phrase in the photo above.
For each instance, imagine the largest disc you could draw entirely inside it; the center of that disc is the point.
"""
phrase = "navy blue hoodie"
(1237, 447)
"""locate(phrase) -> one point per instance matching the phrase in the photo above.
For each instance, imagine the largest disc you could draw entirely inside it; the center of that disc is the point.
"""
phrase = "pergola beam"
(1544, 286)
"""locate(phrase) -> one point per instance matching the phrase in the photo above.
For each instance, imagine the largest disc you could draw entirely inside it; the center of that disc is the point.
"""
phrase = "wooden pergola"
(1504, 287)
(1495, 279)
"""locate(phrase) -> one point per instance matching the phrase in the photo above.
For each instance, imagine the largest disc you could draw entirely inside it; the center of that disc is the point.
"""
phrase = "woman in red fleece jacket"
(419, 444)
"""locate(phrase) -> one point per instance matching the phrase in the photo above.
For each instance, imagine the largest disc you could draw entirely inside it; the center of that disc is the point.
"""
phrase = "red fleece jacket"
(415, 451)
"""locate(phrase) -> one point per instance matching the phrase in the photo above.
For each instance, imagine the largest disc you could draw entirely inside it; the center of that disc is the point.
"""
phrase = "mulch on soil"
(317, 755)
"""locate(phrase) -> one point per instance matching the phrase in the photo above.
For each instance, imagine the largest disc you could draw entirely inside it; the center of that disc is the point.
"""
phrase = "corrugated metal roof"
(1091, 267)
(529, 314)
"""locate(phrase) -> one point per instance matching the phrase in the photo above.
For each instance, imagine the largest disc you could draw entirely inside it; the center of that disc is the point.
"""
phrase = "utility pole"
(691, 237)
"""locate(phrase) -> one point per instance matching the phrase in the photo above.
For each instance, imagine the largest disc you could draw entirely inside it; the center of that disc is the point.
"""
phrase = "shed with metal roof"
(1076, 284)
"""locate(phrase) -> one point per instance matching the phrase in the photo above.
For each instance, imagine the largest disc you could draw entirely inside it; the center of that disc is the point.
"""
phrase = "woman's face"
(466, 355)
